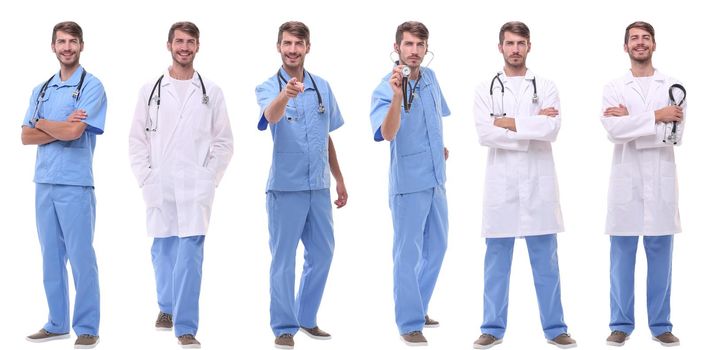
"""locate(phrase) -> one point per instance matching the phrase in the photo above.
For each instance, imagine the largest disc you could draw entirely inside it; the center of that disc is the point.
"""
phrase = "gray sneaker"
(188, 341)
(486, 341)
(316, 333)
(163, 322)
(430, 323)
(86, 341)
(563, 341)
(285, 341)
(414, 338)
(617, 338)
(667, 339)
(43, 335)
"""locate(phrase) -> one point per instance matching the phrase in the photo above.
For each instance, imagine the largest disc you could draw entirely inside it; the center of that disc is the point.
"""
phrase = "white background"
(578, 45)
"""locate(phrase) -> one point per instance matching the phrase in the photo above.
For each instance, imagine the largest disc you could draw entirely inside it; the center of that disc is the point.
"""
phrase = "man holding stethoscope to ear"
(180, 146)
(407, 109)
(300, 110)
(643, 113)
(517, 115)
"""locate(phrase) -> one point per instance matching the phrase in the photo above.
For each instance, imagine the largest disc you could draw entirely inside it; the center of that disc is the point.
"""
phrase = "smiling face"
(67, 48)
(292, 51)
(184, 48)
(640, 45)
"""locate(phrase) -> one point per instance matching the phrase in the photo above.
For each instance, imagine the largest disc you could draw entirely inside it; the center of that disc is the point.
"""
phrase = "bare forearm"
(64, 131)
(334, 163)
(392, 122)
(506, 123)
(32, 136)
(275, 110)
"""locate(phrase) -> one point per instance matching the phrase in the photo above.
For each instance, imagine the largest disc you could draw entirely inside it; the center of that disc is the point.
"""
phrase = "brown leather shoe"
(414, 338)
(486, 341)
(188, 341)
(316, 333)
(163, 322)
(43, 335)
(86, 341)
(430, 323)
(617, 338)
(563, 341)
(667, 339)
(285, 341)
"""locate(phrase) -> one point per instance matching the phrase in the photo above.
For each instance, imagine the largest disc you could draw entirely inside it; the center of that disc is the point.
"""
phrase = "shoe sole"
(614, 343)
(87, 346)
(313, 336)
(496, 342)
(163, 329)
(190, 346)
(42, 340)
(666, 344)
(431, 325)
(563, 346)
(414, 344)
(277, 346)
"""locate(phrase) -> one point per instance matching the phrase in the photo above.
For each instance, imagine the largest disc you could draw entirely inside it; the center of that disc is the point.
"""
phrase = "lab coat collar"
(306, 78)
(658, 76)
(72, 81)
(529, 75)
(166, 82)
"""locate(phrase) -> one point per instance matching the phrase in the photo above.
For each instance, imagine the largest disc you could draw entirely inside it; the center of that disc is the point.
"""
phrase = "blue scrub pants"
(178, 274)
(295, 216)
(419, 243)
(623, 253)
(66, 217)
(543, 253)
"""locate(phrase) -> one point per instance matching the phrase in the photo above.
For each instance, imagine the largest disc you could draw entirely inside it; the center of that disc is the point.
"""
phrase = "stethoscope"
(158, 87)
(406, 85)
(673, 137)
(43, 90)
(496, 78)
(281, 80)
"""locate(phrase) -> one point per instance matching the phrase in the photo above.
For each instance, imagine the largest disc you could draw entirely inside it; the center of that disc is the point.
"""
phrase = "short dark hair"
(187, 27)
(298, 29)
(516, 27)
(69, 27)
(641, 25)
(419, 30)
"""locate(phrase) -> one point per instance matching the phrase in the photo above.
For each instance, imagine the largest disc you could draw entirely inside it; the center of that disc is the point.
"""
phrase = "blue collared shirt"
(417, 151)
(68, 162)
(301, 138)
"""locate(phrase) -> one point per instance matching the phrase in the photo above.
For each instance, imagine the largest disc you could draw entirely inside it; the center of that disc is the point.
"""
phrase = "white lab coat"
(643, 193)
(521, 189)
(179, 165)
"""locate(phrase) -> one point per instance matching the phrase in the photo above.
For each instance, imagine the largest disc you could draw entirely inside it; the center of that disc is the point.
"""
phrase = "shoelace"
(489, 335)
(415, 333)
(286, 335)
(165, 317)
(618, 332)
(186, 336)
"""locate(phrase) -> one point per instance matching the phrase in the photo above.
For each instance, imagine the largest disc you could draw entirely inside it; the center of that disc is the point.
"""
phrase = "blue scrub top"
(301, 138)
(68, 162)
(417, 151)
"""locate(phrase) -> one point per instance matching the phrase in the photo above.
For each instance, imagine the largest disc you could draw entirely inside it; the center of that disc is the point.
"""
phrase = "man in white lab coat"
(517, 116)
(180, 146)
(639, 117)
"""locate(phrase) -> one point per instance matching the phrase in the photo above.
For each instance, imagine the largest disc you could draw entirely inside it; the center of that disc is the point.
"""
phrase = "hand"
(76, 116)
(550, 112)
(342, 195)
(293, 88)
(396, 80)
(506, 123)
(669, 114)
(620, 111)
(447, 153)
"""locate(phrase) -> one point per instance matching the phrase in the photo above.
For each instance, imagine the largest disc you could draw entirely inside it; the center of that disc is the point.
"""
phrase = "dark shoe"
(43, 335)
(430, 323)
(164, 322)
(414, 338)
(667, 339)
(563, 341)
(285, 341)
(86, 341)
(316, 333)
(486, 341)
(617, 338)
(188, 341)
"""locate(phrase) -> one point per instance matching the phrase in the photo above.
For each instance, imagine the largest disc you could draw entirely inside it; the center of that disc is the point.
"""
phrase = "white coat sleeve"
(490, 135)
(222, 145)
(138, 142)
(541, 127)
(621, 130)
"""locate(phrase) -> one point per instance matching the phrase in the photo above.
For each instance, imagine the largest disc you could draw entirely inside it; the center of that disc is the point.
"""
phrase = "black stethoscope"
(281, 80)
(496, 78)
(158, 87)
(407, 89)
(43, 90)
(673, 137)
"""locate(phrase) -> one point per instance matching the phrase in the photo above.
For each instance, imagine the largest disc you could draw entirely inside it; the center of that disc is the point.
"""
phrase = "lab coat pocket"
(548, 188)
(494, 186)
(152, 195)
(620, 190)
(668, 182)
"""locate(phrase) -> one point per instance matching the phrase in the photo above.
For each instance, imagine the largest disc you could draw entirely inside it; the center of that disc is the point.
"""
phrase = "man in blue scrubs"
(416, 179)
(64, 116)
(300, 110)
